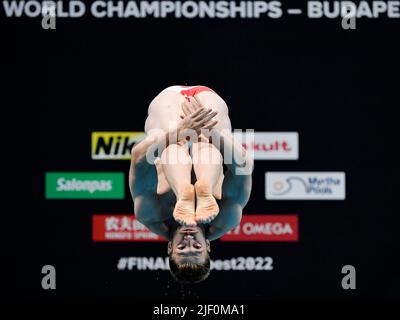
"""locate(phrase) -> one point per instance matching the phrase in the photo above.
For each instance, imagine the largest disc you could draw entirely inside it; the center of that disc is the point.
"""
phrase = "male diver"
(183, 193)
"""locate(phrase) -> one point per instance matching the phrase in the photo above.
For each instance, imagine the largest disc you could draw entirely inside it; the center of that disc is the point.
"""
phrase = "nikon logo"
(114, 145)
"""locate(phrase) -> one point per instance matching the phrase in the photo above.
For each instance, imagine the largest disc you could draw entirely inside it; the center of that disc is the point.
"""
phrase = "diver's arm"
(143, 179)
(143, 186)
(237, 184)
(158, 139)
(235, 195)
(227, 219)
(235, 156)
(159, 228)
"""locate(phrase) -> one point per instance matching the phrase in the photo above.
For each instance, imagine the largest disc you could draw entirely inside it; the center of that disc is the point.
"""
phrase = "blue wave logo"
(280, 186)
(310, 185)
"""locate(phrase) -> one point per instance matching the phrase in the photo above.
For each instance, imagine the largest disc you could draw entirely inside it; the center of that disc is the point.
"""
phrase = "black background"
(337, 88)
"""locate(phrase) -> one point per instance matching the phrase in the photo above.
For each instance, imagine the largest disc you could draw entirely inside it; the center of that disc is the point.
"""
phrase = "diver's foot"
(206, 206)
(184, 207)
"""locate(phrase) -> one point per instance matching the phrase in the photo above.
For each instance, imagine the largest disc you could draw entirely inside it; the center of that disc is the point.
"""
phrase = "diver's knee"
(175, 153)
(205, 152)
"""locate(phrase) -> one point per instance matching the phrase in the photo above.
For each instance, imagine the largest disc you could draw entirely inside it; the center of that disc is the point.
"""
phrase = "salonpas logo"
(82, 185)
(114, 145)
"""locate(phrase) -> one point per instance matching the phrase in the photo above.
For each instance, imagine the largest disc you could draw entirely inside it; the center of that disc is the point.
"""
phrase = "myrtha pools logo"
(305, 185)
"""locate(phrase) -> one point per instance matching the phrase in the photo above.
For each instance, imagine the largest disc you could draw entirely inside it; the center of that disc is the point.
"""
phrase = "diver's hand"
(196, 117)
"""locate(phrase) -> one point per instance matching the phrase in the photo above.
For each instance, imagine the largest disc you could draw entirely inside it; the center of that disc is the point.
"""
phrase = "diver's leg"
(177, 166)
(207, 164)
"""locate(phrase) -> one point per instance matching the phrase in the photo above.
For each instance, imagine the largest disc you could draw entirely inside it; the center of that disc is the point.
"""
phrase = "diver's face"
(189, 245)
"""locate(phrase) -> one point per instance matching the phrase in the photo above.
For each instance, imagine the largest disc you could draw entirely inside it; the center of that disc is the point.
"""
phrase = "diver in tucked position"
(182, 193)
